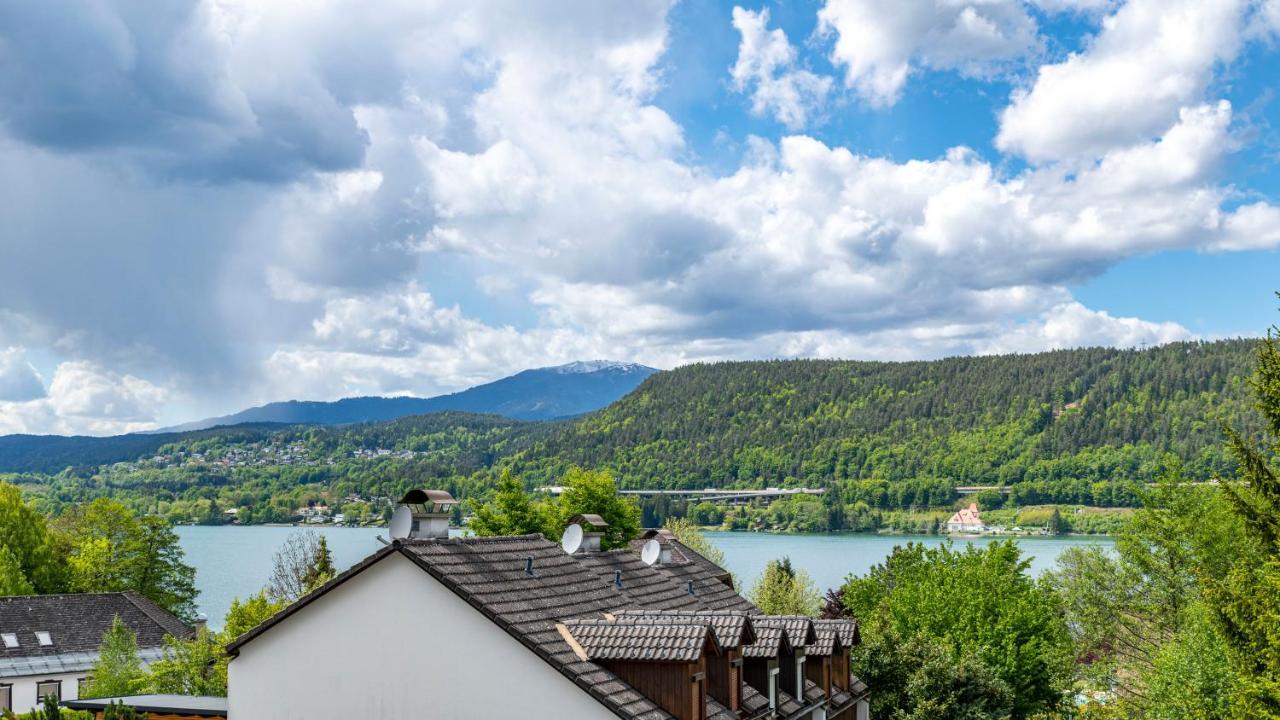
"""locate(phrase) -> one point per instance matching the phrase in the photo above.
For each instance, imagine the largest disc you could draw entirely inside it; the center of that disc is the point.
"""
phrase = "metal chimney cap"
(595, 522)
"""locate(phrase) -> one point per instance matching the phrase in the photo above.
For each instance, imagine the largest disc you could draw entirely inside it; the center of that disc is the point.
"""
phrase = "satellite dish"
(401, 523)
(572, 539)
(650, 551)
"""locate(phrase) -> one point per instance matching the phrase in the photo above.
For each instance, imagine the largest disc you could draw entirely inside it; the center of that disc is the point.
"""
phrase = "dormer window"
(10, 640)
(43, 638)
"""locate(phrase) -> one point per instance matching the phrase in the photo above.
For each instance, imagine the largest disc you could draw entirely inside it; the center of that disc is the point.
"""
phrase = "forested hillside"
(1075, 415)
(1073, 427)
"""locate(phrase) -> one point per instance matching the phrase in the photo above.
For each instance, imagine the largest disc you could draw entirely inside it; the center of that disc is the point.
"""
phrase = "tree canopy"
(975, 603)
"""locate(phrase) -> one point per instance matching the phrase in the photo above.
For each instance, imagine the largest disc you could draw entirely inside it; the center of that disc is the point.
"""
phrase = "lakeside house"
(48, 643)
(432, 626)
(966, 520)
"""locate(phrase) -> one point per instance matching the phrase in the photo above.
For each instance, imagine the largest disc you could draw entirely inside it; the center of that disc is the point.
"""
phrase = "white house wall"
(393, 642)
(22, 692)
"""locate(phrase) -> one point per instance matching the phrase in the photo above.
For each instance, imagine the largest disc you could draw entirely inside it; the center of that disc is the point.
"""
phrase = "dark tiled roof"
(660, 642)
(716, 711)
(649, 586)
(828, 642)
(732, 628)
(76, 622)
(753, 703)
(799, 629)
(770, 641)
(788, 706)
(847, 628)
(490, 574)
(707, 587)
(813, 692)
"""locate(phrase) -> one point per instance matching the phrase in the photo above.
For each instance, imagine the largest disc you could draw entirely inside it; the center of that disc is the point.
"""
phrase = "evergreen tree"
(1247, 597)
(321, 569)
(783, 590)
(118, 670)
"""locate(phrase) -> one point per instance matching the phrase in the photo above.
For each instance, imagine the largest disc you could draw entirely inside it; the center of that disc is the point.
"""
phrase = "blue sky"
(233, 202)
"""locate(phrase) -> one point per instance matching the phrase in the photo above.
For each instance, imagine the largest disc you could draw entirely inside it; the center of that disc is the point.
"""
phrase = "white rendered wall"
(394, 643)
(23, 692)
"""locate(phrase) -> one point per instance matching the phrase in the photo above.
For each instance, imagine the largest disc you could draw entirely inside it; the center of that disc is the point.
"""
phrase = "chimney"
(592, 530)
(663, 536)
(431, 510)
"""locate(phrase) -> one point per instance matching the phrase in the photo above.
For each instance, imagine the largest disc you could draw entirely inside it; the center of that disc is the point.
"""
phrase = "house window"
(6, 697)
(10, 640)
(43, 638)
(80, 683)
(47, 688)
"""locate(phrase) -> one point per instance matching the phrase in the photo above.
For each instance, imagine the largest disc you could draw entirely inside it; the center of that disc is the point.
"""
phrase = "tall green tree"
(195, 666)
(1246, 597)
(785, 590)
(24, 532)
(511, 511)
(118, 670)
(12, 579)
(595, 491)
(111, 549)
(918, 678)
(321, 570)
(975, 601)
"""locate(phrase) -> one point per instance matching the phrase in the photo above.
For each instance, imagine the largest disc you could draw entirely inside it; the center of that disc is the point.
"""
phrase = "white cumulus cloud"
(881, 42)
(1150, 59)
(766, 67)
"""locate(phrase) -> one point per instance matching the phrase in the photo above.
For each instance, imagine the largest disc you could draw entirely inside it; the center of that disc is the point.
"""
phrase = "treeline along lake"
(236, 561)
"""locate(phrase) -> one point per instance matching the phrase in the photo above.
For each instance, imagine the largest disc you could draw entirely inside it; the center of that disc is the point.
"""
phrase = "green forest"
(1083, 427)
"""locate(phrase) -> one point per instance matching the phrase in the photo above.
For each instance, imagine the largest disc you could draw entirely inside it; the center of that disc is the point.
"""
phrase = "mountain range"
(538, 394)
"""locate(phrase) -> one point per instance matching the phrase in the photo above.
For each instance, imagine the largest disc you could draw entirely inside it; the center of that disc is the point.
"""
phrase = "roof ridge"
(157, 614)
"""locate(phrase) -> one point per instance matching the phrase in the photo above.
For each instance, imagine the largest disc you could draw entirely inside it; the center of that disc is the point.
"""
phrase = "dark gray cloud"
(156, 81)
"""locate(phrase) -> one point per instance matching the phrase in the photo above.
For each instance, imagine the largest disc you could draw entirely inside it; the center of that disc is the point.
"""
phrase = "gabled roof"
(658, 642)
(828, 642)
(733, 629)
(76, 622)
(798, 628)
(846, 627)
(771, 641)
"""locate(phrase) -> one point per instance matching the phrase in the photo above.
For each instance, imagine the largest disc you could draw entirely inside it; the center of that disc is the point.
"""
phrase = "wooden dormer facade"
(665, 662)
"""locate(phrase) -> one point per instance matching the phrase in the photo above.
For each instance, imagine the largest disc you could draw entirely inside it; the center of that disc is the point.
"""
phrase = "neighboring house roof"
(184, 705)
(649, 642)
(75, 624)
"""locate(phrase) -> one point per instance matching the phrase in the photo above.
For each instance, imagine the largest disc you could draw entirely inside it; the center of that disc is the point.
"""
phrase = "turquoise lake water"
(236, 561)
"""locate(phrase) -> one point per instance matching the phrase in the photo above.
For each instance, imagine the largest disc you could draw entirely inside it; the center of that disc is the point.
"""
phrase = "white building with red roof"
(966, 520)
